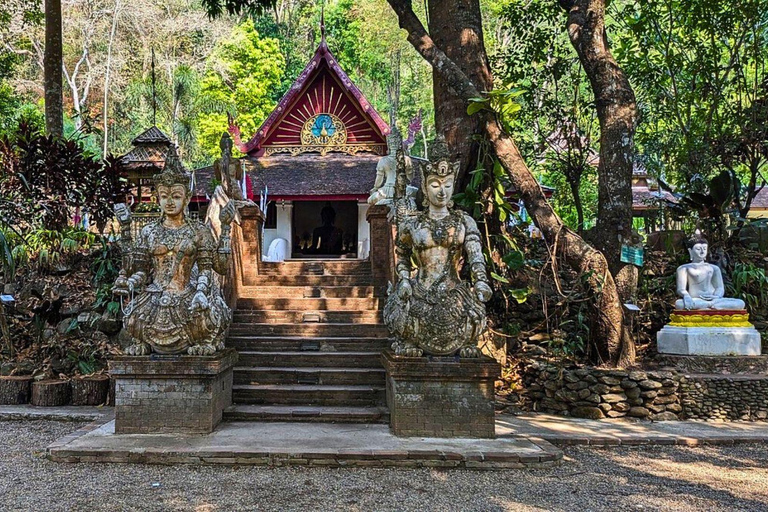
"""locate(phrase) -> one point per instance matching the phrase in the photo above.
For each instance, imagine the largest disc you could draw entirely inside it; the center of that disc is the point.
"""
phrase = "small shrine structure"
(314, 160)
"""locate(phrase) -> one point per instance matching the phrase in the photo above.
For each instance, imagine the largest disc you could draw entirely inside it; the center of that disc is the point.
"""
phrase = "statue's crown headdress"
(695, 238)
(173, 174)
(441, 162)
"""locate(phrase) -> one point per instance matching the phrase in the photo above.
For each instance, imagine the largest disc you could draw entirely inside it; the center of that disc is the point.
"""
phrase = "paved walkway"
(305, 444)
(563, 431)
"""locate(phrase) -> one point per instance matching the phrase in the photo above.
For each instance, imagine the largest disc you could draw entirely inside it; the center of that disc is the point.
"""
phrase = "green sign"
(632, 255)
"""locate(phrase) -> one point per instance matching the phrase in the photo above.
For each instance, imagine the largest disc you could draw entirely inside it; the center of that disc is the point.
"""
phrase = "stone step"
(303, 316)
(340, 267)
(307, 413)
(309, 329)
(252, 279)
(298, 343)
(310, 359)
(299, 394)
(309, 304)
(309, 375)
(328, 292)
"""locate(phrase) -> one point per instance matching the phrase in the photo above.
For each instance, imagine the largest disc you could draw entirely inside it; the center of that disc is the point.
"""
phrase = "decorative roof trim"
(304, 79)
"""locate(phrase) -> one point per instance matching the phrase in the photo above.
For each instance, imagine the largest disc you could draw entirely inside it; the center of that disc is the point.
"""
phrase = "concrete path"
(563, 431)
(308, 444)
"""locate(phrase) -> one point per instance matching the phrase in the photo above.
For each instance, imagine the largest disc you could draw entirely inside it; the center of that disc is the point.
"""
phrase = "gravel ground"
(650, 478)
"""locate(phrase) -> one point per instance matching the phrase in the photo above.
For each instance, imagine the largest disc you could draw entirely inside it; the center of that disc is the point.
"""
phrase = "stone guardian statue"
(431, 310)
(174, 305)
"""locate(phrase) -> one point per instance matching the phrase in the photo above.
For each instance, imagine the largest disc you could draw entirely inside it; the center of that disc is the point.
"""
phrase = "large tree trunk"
(52, 70)
(580, 256)
(617, 113)
(457, 29)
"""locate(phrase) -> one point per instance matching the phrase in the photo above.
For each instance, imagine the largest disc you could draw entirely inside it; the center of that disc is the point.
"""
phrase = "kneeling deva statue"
(174, 304)
(434, 312)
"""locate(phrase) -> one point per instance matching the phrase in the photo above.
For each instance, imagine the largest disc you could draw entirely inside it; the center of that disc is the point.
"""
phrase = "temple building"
(314, 161)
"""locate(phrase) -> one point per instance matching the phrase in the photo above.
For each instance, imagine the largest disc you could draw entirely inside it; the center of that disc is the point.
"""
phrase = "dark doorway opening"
(324, 229)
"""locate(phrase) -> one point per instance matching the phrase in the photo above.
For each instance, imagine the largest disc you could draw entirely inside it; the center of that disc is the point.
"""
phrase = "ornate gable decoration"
(322, 112)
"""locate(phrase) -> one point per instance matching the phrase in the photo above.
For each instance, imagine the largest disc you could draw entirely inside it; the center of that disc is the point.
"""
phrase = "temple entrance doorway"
(324, 229)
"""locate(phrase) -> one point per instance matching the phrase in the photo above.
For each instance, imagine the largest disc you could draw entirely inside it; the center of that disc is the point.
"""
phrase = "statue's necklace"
(440, 229)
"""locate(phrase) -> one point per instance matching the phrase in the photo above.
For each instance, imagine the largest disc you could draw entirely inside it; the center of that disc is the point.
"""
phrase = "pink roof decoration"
(313, 93)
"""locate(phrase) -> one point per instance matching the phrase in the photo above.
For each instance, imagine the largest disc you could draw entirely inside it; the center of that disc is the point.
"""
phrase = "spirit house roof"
(322, 112)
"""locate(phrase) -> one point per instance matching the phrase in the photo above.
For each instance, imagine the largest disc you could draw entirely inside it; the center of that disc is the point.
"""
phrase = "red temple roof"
(322, 112)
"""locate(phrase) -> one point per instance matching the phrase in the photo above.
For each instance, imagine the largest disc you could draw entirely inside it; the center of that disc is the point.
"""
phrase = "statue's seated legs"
(721, 304)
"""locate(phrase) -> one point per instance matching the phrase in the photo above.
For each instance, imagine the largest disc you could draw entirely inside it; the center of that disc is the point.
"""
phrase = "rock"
(662, 400)
(674, 408)
(577, 385)
(649, 394)
(636, 375)
(615, 414)
(592, 413)
(664, 416)
(109, 324)
(534, 350)
(591, 379)
(584, 393)
(604, 407)
(571, 377)
(649, 384)
(595, 398)
(628, 384)
(552, 385)
(611, 381)
(582, 372)
(632, 393)
(612, 398)
(7, 368)
(638, 412)
(621, 406)
(600, 388)
(64, 326)
(635, 401)
(655, 408)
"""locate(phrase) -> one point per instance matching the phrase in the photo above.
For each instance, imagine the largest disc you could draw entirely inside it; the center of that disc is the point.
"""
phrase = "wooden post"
(14, 390)
(91, 390)
(50, 393)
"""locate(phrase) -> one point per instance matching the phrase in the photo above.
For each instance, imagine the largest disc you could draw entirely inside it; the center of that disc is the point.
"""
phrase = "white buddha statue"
(700, 284)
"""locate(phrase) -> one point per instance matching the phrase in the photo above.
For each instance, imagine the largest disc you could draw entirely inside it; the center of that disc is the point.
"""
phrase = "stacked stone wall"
(587, 392)
(725, 397)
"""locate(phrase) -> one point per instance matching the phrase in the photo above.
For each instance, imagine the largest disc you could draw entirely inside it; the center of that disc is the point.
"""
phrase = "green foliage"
(751, 284)
(216, 8)
(242, 75)
(556, 128)
(698, 70)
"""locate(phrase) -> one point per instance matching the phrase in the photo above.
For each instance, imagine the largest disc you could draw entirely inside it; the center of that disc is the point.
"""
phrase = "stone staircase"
(309, 335)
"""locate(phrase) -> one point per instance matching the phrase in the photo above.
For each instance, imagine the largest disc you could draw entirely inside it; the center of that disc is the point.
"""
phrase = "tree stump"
(91, 390)
(51, 393)
(14, 390)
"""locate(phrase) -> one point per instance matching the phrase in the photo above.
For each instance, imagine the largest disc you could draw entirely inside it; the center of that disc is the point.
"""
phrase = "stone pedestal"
(709, 332)
(441, 396)
(171, 394)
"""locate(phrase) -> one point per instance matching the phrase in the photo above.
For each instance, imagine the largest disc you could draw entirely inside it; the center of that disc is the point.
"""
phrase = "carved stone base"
(713, 341)
(441, 396)
(171, 394)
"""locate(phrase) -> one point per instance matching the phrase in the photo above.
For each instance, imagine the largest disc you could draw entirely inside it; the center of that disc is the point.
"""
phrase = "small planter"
(14, 390)
(90, 390)
(51, 393)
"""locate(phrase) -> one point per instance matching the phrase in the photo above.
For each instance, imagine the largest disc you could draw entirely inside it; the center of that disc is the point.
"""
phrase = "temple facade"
(312, 164)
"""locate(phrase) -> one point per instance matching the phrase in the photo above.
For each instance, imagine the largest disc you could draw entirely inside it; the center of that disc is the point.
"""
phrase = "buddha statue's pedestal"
(441, 396)
(709, 332)
(178, 394)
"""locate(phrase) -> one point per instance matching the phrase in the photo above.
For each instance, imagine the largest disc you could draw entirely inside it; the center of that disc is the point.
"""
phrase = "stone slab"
(63, 413)
(441, 396)
(563, 431)
(730, 341)
(172, 394)
(305, 444)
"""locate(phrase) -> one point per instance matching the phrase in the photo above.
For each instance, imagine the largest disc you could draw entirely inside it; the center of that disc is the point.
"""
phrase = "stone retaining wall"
(658, 395)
